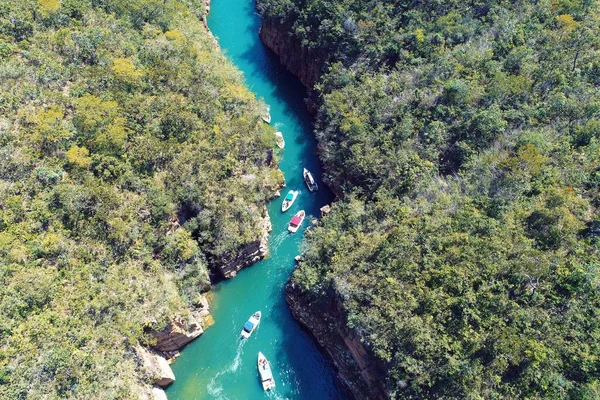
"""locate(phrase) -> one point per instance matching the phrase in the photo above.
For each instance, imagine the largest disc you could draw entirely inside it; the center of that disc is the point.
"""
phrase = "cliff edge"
(357, 369)
(303, 63)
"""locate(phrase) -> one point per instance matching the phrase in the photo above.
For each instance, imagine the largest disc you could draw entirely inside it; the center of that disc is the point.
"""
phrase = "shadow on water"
(303, 363)
(263, 61)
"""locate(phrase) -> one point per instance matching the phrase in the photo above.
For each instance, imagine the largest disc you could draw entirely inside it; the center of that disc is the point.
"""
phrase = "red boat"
(296, 221)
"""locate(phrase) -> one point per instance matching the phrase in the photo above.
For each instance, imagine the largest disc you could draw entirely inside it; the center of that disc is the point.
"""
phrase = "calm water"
(219, 365)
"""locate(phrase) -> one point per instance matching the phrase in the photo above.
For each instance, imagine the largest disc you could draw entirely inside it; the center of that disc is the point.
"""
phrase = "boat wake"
(214, 388)
(277, 238)
(237, 360)
(274, 395)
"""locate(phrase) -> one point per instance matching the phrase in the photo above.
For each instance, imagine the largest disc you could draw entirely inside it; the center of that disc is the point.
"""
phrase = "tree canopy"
(464, 137)
(124, 164)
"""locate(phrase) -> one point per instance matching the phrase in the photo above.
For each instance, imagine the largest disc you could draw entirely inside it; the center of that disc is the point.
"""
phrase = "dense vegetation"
(465, 136)
(119, 122)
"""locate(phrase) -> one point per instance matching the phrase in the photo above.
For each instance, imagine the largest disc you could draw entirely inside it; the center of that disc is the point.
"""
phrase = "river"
(219, 365)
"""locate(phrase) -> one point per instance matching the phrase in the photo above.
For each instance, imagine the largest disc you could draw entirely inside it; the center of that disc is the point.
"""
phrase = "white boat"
(280, 141)
(289, 199)
(310, 181)
(251, 325)
(264, 369)
(267, 116)
(296, 221)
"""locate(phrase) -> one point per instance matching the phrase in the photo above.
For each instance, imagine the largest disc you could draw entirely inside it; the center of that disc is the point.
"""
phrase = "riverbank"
(139, 162)
(219, 365)
(182, 330)
(357, 370)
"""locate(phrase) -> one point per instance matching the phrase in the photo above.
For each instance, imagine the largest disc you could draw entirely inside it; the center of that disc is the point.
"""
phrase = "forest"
(132, 159)
(463, 138)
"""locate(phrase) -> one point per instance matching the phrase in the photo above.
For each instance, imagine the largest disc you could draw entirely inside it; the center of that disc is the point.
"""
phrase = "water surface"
(219, 365)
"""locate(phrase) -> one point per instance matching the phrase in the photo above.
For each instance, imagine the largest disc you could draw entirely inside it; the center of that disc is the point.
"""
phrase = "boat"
(289, 200)
(296, 221)
(310, 181)
(280, 141)
(251, 325)
(267, 116)
(264, 369)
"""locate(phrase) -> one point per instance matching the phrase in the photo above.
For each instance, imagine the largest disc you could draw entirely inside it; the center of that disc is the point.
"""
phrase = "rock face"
(249, 254)
(180, 332)
(357, 369)
(156, 366)
(158, 394)
(205, 22)
(304, 63)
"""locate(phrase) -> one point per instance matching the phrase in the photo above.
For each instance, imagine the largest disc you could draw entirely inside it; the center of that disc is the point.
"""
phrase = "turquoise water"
(218, 364)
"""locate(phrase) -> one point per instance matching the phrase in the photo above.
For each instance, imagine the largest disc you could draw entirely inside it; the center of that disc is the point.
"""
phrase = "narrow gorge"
(358, 370)
(219, 365)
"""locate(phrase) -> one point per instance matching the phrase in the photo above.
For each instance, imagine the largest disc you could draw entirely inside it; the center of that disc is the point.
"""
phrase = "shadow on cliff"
(285, 85)
(303, 360)
(274, 81)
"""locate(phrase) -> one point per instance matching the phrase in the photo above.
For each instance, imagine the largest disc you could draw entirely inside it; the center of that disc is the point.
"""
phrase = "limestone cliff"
(357, 369)
(304, 63)
(249, 254)
(155, 367)
(158, 394)
(181, 331)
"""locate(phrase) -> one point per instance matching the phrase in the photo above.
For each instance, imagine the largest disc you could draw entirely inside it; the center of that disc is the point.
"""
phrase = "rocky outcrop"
(357, 369)
(181, 331)
(205, 23)
(156, 367)
(304, 63)
(158, 394)
(249, 254)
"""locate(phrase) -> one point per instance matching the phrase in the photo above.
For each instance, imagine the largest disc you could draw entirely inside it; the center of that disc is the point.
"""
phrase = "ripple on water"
(214, 387)
(272, 394)
(276, 239)
(215, 365)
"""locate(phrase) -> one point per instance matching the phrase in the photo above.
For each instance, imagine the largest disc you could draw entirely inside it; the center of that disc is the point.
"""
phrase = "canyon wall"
(249, 254)
(357, 370)
(304, 63)
(182, 331)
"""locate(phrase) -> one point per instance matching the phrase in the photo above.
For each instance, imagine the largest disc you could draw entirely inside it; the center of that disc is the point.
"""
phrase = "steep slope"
(464, 138)
(132, 161)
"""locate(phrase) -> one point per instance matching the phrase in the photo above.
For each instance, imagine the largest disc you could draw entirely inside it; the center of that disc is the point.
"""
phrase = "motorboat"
(266, 116)
(251, 325)
(310, 181)
(296, 221)
(289, 200)
(264, 369)
(280, 142)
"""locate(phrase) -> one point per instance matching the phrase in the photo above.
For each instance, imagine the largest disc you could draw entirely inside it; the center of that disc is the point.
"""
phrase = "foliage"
(79, 156)
(464, 138)
(120, 185)
(47, 7)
